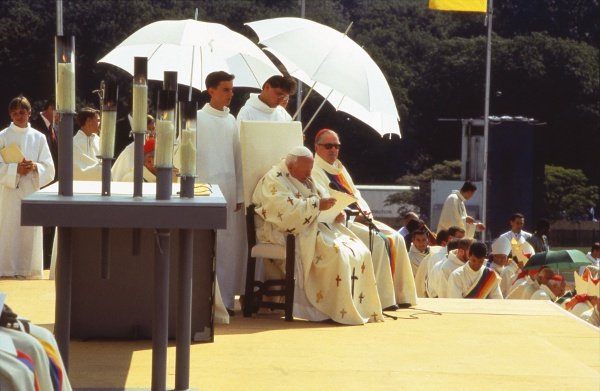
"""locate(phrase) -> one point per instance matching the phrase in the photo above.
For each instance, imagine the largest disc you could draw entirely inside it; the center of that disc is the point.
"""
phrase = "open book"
(342, 201)
(12, 154)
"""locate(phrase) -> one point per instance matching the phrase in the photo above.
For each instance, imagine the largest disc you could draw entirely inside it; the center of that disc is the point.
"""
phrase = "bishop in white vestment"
(20, 246)
(395, 280)
(334, 271)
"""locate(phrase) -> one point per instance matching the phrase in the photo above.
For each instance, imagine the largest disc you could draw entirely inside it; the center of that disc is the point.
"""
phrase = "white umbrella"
(342, 70)
(193, 49)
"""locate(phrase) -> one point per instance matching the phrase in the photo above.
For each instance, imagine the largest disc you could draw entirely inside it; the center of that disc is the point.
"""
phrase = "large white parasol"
(337, 67)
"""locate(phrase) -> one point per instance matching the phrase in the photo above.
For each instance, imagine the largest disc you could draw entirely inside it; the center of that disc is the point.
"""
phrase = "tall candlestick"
(165, 139)
(188, 152)
(107, 134)
(65, 87)
(140, 108)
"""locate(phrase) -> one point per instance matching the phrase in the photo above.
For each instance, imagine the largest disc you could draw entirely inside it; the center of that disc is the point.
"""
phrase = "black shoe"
(230, 312)
(393, 307)
(404, 305)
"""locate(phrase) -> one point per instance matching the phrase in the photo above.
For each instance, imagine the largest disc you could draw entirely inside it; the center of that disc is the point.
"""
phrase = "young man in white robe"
(267, 106)
(86, 147)
(395, 280)
(435, 254)
(219, 162)
(474, 280)
(21, 247)
(454, 211)
(419, 249)
(334, 271)
(438, 277)
(517, 222)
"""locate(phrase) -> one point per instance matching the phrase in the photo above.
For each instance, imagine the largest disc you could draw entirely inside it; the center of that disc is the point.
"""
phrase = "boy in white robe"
(474, 280)
(21, 247)
(267, 106)
(219, 162)
(334, 271)
(395, 280)
(86, 147)
(419, 249)
(454, 212)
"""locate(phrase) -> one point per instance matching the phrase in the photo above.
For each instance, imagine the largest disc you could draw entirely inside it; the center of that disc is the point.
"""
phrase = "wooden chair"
(264, 144)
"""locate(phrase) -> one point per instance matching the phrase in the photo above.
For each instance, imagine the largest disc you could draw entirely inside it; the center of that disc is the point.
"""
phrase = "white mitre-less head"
(301, 151)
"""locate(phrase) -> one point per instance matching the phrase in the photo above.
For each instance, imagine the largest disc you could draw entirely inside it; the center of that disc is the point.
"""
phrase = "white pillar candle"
(165, 139)
(108, 125)
(188, 152)
(65, 87)
(140, 108)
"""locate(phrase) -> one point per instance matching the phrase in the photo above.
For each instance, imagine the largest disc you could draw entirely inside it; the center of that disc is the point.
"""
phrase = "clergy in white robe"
(219, 162)
(499, 262)
(266, 106)
(395, 279)
(334, 271)
(454, 211)
(418, 250)
(20, 246)
(436, 254)
(528, 282)
(437, 281)
(474, 280)
(86, 147)
(551, 292)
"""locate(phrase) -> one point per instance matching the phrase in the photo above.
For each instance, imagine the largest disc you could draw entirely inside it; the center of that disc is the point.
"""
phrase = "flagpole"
(486, 118)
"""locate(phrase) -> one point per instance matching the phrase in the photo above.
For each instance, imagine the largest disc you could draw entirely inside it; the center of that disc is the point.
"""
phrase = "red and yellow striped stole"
(484, 286)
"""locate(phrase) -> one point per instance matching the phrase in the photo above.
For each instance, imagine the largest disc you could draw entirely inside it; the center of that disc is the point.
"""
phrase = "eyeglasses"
(331, 145)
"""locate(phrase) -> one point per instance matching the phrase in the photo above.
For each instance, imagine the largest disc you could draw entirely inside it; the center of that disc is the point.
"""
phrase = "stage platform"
(442, 344)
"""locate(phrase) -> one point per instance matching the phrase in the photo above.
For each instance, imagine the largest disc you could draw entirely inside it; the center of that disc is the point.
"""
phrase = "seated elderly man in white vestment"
(551, 290)
(334, 271)
(395, 280)
(474, 280)
(86, 147)
(528, 282)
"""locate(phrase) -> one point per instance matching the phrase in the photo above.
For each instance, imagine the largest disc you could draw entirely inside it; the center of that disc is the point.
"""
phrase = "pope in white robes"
(395, 280)
(86, 147)
(474, 280)
(334, 271)
(20, 246)
(454, 211)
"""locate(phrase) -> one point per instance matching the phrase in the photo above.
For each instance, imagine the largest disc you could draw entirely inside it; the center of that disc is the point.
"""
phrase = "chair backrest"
(264, 144)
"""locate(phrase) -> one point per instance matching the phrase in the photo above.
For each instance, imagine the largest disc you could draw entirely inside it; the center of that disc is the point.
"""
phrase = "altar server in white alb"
(395, 281)
(334, 271)
(474, 280)
(86, 147)
(21, 247)
(218, 162)
(454, 211)
(267, 106)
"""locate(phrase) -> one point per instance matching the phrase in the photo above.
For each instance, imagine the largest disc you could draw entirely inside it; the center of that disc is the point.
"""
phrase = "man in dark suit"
(44, 123)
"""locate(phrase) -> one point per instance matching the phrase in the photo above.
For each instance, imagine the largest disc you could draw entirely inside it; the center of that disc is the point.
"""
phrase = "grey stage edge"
(85, 210)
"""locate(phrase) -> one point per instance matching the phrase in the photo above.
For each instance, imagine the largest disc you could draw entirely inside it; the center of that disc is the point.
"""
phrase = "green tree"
(568, 194)
(419, 199)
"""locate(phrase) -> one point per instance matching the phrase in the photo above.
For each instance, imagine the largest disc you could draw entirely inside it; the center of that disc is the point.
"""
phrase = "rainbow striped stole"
(340, 184)
(484, 286)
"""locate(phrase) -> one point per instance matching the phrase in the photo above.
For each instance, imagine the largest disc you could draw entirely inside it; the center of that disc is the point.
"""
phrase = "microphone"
(369, 220)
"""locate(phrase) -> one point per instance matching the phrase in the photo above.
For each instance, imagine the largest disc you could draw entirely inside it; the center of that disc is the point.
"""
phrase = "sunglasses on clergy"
(331, 145)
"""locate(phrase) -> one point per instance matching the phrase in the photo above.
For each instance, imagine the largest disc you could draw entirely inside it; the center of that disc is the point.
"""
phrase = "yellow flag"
(459, 5)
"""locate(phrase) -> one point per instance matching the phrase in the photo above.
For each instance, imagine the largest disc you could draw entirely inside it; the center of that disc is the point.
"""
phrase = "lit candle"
(140, 108)
(65, 87)
(188, 152)
(108, 125)
(165, 139)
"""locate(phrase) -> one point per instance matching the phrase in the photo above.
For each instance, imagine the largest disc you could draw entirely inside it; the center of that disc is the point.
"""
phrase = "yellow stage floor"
(443, 344)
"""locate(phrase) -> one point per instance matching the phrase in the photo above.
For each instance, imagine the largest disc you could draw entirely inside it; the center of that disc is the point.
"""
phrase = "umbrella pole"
(316, 112)
(303, 101)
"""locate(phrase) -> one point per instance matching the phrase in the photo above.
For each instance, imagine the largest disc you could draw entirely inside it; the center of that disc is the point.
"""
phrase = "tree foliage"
(568, 193)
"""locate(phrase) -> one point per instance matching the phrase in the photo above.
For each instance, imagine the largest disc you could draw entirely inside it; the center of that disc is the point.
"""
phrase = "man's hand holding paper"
(342, 200)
